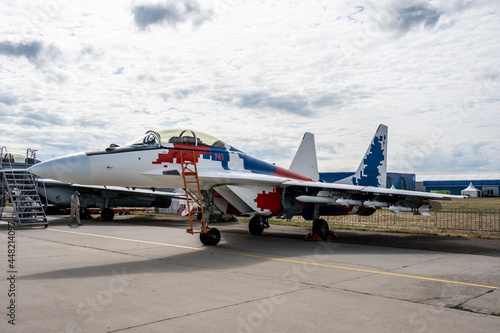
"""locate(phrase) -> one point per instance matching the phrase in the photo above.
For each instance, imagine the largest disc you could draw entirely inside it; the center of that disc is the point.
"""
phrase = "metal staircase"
(19, 185)
(208, 236)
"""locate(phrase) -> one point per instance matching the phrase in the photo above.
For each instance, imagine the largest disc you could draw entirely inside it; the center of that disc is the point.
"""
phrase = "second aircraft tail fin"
(372, 170)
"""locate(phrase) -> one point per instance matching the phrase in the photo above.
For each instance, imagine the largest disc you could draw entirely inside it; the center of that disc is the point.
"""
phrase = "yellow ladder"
(193, 192)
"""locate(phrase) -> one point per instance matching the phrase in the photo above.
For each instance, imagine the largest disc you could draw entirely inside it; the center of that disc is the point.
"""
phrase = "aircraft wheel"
(108, 214)
(320, 227)
(203, 238)
(211, 237)
(256, 226)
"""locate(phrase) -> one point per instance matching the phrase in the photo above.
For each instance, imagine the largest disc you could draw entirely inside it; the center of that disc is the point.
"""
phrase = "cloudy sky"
(258, 74)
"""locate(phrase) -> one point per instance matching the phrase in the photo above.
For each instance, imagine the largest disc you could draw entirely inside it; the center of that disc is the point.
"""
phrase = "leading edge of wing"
(374, 190)
(128, 190)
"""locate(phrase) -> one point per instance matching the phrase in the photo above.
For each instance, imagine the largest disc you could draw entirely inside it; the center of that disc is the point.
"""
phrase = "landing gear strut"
(257, 225)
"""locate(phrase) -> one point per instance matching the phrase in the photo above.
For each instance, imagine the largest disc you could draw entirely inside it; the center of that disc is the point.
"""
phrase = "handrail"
(5, 157)
(3, 197)
(37, 180)
(30, 157)
(1, 156)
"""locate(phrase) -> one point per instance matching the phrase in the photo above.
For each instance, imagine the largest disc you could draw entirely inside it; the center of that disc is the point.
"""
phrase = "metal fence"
(460, 219)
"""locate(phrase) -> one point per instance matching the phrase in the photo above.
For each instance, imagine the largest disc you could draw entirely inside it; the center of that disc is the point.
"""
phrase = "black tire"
(108, 214)
(211, 237)
(320, 227)
(255, 226)
(203, 238)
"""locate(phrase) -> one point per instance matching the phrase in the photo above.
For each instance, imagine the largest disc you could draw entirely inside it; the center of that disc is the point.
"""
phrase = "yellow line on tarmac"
(280, 259)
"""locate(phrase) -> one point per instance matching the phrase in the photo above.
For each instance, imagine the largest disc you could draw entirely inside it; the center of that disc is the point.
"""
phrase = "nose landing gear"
(211, 237)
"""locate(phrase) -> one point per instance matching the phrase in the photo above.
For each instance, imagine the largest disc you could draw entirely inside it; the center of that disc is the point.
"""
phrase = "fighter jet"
(56, 195)
(104, 197)
(222, 176)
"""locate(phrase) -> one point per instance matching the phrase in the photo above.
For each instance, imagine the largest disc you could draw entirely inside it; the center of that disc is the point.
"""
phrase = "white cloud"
(258, 75)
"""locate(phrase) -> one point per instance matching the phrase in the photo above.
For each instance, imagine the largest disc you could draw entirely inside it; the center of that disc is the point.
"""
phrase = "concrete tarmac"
(145, 274)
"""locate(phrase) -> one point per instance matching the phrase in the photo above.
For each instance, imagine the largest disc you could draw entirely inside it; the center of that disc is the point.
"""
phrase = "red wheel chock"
(313, 237)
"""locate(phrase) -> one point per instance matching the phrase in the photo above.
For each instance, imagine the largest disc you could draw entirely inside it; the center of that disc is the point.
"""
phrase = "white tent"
(471, 191)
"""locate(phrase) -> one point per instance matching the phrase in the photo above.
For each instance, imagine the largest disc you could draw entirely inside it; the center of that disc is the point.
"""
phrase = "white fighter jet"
(216, 174)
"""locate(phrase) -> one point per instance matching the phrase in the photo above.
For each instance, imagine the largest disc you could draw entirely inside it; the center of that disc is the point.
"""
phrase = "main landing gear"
(108, 214)
(257, 225)
(320, 227)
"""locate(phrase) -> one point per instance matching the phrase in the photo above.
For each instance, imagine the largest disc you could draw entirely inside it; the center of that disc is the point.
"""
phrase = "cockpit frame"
(158, 139)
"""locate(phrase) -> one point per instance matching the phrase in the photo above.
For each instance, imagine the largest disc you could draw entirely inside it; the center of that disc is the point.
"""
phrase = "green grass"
(478, 203)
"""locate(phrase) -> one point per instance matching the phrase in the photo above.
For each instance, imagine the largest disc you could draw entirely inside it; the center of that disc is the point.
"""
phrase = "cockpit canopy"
(161, 138)
(17, 158)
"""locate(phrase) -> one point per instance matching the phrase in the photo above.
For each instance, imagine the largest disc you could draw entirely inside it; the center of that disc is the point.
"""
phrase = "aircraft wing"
(117, 189)
(370, 190)
(130, 191)
(246, 179)
(259, 193)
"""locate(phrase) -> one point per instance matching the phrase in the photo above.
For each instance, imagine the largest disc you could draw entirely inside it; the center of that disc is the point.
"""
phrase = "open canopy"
(161, 138)
(17, 158)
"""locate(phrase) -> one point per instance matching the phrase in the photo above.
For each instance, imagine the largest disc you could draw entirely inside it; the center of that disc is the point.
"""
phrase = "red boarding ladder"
(193, 192)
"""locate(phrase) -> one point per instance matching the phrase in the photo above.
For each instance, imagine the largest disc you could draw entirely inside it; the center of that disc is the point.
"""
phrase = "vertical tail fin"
(305, 161)
(372, 170)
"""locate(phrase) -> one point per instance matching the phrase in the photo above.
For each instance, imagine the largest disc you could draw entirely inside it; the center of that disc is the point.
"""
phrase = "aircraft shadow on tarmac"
(278, 243)
(233, 252)
(487, 247)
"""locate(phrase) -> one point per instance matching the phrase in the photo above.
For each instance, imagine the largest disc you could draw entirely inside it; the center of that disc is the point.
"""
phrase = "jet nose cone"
(73, 168)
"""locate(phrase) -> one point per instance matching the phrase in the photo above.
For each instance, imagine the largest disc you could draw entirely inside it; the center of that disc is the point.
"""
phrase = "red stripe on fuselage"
(282, 172)
(187, 154)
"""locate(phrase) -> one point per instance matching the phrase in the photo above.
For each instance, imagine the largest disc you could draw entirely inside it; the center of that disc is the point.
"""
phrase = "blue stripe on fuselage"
(252, 164)
(249, 163)
(220, 155)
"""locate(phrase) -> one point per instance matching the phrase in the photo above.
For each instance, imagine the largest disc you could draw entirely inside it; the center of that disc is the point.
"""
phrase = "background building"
(402, 181)
(488, 184)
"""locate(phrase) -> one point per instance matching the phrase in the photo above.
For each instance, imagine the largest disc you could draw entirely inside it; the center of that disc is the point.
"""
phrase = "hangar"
(401, 181)
(487, 184)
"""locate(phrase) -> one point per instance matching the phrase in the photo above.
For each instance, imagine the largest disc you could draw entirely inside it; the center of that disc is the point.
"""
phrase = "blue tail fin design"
(372, 170)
